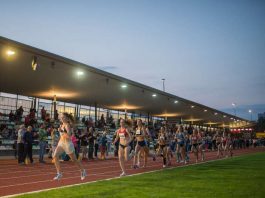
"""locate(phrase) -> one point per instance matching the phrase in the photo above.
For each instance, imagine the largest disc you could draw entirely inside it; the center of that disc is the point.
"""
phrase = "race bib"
(138, 132)
(122, 135)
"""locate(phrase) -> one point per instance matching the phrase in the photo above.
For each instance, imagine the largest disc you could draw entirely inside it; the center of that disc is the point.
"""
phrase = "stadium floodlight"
(79, 73)
(34, 63)
(123, 86)
(10, 52)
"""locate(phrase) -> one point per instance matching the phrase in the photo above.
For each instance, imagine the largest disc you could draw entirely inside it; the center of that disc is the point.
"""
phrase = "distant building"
(261, 115)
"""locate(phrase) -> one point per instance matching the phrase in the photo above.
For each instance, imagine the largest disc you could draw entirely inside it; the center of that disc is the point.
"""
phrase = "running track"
(15, 179)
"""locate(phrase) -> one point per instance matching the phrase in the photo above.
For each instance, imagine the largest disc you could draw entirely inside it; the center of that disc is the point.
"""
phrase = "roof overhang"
(75, 82)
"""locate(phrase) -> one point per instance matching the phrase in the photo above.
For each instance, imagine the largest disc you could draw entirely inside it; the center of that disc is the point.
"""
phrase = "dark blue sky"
(212, 52)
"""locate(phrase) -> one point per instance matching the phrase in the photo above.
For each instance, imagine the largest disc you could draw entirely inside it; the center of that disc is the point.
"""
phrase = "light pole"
(234, 105)
(163, 79)
(250, 111)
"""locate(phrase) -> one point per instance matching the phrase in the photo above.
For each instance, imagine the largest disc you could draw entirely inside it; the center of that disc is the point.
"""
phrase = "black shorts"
(141, 143)
(123, 146)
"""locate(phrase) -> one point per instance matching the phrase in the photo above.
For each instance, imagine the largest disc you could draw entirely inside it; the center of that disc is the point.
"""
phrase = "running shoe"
(135, 166)
(83, 174)
(154, 158)
(58, 176)
(122, 174)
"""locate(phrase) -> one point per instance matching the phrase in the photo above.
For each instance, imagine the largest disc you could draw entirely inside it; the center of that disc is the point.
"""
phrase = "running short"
(67, 147)
(141, 143)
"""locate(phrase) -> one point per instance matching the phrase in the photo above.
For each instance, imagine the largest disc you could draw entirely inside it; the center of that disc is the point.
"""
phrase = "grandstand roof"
(78, 83)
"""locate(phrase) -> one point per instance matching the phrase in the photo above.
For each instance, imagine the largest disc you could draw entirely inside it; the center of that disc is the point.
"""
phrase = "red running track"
(16, 179)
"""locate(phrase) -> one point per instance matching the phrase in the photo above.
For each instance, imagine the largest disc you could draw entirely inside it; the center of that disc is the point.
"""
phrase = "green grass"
(242, 177)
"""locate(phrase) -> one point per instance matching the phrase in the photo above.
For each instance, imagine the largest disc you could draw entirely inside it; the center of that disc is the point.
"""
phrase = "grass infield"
(242, 176)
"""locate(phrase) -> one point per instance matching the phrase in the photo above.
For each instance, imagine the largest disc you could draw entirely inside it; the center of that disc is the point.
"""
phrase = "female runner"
(125, 138)
(162, 149)
(180, 139)
(202, 142)
(141, 145)
(194, 143)
(65, 145)
(219, 145)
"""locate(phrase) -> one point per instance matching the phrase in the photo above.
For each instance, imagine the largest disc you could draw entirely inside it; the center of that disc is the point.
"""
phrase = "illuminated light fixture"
(10, 52)
(176, 101)
(231, 118)
(80, 73)
(205, 110)
(34, 63)
(123, 86)
(250, 111)
(168, 115)
(154, 95)
(125, 106)
(215, 113)
(192, 106)
(224, 116)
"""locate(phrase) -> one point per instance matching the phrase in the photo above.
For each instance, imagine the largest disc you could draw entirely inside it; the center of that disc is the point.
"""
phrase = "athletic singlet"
(194, 139)
(65, 134)
(122, 133)
(180, 137)
(162, 139)
(139, 132)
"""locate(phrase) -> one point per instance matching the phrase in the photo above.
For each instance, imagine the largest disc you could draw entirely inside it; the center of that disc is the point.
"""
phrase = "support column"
(125, 114)
(96, 112)
(54, 106)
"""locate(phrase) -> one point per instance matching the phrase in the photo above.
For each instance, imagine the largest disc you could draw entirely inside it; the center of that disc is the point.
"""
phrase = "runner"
(125, 138)
(219, 144)
(194, 142)
(65, 145)
(180, 139)
(162, 149)
(141, 145)
(202, 144)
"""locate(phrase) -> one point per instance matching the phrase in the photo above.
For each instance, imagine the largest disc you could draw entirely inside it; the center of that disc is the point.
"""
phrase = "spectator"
(84, 143)
(28, 141)
(56, 115)
(90, 143)
(20, 144)
(96, 145)
(75, 140)
(103, 145)
(19, 113)
(55, 136)
(43, 113)
(11, 116)
(42, 142)
(109, 141)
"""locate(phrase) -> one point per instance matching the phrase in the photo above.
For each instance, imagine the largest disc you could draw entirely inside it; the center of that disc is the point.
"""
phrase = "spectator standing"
(55, 136)
(84, 144)
(90, 143)
(20, 144)
(103, 145)
(42, 142)
(43, 113)
(97, 138)
(28, 141)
